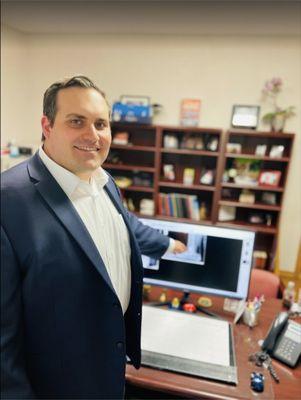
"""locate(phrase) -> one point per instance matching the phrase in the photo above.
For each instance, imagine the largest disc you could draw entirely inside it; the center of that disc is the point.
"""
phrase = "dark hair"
(50, 96)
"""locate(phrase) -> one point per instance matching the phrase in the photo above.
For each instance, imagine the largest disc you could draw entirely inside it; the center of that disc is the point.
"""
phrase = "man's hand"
(179, 247)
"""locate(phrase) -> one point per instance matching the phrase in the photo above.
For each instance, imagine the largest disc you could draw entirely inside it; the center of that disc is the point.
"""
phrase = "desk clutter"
(181, 304)
(259, 370)
(252, 311)
(262, 359)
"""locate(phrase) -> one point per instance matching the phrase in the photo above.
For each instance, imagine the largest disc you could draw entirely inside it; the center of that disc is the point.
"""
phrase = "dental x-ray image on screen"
(196, 248)
(195, 253)
(218, 260)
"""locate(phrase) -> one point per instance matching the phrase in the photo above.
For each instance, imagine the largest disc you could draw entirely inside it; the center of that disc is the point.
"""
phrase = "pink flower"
(273, 85)
(276, 82)
(269, 86)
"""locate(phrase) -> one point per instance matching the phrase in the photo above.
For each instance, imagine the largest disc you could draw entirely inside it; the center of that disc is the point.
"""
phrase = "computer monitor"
(218, 260)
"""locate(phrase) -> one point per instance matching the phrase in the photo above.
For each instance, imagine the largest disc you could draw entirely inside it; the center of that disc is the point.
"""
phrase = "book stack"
(179, 205)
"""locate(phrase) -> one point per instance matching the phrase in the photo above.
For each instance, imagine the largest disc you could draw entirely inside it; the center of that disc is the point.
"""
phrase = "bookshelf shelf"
(138, 189)
(251, 187)
(244, 225)
(132, 148)
(256, 206)
(186, 220)
(187, 187)
(255, 157)
(122, 167)
(190, 152)
(260, 134)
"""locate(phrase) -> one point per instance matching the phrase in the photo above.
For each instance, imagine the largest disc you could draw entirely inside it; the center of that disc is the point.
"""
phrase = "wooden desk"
(173, 385)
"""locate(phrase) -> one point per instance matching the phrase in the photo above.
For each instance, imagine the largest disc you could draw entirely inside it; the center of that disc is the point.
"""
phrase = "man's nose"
(92, 132)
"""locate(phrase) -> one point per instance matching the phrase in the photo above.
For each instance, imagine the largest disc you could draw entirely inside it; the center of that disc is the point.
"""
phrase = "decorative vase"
(277, 123)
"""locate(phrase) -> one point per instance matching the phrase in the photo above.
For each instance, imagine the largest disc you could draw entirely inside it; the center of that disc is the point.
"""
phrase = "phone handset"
(274, 331)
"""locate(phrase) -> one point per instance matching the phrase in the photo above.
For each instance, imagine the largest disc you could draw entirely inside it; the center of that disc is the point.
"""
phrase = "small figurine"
(189, 307)
(171, 142)
(232, 173)
(131, 205)
(246, 196)
(189, 142)
(212, 145)
(169, 172)
(163, 296)
(204, 302)
(207, 177)
(289, 294)
(121, 138)
(175, 303)
(199, 144)
(203, 211)
(268, 219)
(146, 292)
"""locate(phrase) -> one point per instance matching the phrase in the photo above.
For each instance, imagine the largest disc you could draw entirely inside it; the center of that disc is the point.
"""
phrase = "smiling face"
(79, 138)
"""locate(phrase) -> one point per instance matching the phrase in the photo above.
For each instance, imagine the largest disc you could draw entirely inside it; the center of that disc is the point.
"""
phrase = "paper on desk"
(184, 335)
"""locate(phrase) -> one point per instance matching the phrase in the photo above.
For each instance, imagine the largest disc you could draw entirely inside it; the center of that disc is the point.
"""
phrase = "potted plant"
(276, 119)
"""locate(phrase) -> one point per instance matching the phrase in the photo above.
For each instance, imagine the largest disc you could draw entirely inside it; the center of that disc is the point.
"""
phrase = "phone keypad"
(286, 348)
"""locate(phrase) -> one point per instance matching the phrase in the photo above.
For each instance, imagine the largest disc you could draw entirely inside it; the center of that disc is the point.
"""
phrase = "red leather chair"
(264, 282)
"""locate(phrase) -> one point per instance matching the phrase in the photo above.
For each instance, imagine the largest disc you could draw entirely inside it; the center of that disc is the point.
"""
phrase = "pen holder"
(251, 317)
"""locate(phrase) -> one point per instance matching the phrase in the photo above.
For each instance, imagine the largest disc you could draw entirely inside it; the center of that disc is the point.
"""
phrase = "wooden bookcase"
(145, 156)
(138, 161)
(268, 199)
(142, 161)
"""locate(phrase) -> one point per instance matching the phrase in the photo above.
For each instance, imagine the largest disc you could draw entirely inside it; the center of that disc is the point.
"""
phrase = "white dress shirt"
(102, 220)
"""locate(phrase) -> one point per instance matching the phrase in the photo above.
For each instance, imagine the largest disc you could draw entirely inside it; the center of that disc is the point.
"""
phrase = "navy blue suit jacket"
(63, 331)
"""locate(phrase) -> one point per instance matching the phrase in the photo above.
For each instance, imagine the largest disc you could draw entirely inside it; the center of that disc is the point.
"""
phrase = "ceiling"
(154, 17)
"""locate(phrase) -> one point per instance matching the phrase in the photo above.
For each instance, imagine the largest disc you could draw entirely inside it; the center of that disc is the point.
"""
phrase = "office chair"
(264, 282)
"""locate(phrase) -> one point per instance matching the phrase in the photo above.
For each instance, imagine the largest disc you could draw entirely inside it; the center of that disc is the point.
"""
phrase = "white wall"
(220, 70)
(14, 85)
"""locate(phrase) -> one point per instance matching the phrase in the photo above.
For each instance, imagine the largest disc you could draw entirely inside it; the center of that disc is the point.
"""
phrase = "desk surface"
(246, 342)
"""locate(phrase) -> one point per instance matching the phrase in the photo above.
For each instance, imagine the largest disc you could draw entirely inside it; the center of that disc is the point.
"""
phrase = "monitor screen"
(218, 261)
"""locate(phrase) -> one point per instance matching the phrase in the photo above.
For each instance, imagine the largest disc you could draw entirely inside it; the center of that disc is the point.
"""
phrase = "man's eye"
(76, 122)
(100, 125)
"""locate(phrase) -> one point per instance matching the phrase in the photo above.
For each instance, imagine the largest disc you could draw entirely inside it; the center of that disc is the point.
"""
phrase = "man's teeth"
(86, 148)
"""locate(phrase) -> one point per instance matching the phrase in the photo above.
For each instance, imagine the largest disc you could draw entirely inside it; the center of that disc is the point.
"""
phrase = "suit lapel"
(62, 207)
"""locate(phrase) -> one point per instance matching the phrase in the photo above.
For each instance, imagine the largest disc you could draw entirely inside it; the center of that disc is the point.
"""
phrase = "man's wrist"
(171, 246)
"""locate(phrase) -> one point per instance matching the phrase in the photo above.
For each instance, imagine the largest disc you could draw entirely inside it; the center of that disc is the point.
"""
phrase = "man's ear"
(46, 126)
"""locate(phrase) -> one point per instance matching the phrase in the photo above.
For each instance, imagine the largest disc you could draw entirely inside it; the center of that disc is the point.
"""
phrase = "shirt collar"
(72, 184)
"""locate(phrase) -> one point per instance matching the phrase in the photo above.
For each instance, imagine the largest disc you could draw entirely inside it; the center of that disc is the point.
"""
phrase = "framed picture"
(276, 151)
(260, 150)
(233, 148)
(269, 198)
(269, 178)
(188, 176)
(190, 112)
(207, 177)
(169, 172)
(245, 116)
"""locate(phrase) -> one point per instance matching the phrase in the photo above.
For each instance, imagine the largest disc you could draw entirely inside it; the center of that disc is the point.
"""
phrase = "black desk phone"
(283, 340)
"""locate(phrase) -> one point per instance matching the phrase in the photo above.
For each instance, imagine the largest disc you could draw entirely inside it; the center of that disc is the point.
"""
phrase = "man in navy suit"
(71, 278)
